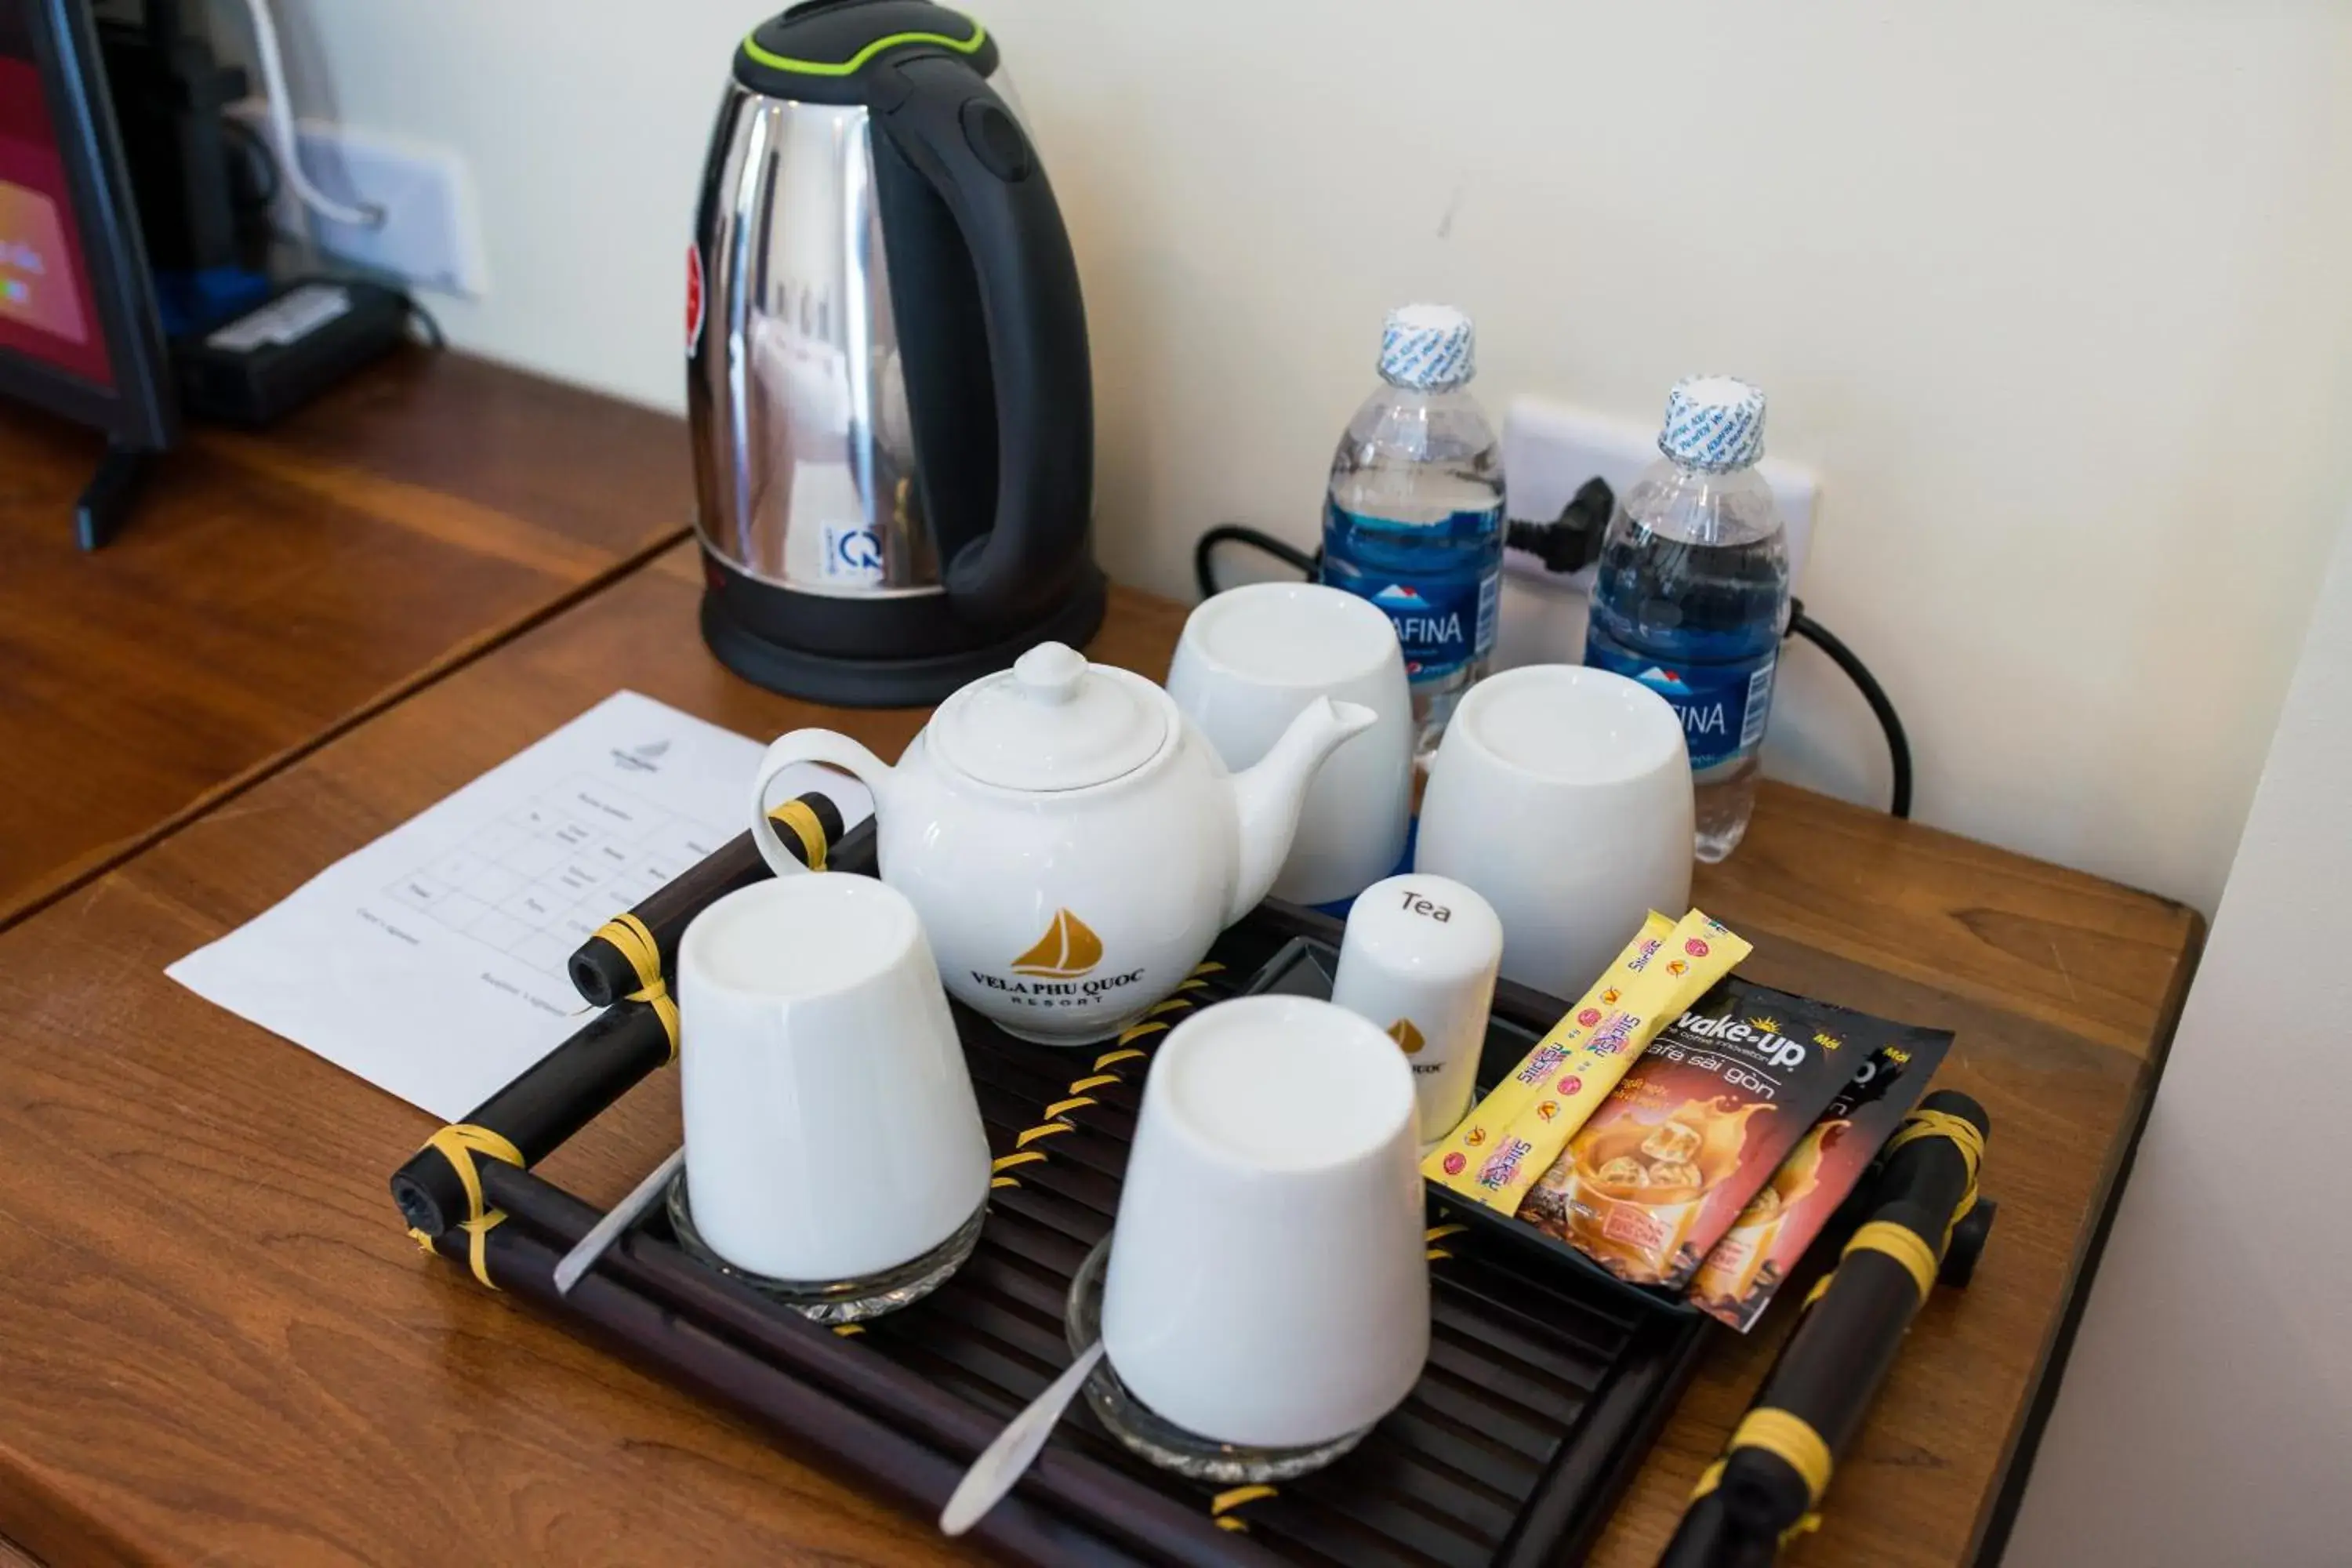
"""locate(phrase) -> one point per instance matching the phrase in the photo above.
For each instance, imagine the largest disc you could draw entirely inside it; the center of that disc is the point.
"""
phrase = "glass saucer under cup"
(839, 1301)
(1145, 1432)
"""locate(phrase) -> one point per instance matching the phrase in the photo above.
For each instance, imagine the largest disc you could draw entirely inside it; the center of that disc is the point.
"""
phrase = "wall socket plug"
(430, 237)
(1551, 448)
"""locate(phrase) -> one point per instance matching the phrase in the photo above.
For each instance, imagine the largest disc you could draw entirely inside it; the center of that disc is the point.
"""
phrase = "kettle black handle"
(960, 137)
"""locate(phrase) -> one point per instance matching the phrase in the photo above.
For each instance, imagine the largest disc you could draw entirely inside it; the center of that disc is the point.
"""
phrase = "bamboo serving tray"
(1546, 1382)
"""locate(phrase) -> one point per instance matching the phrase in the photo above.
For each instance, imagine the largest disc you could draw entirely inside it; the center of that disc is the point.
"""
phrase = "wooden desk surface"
(269, 590)
(222, 1347)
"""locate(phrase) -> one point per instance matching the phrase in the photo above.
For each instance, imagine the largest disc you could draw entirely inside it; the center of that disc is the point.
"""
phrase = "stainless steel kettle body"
(801, 418)
(888, 376)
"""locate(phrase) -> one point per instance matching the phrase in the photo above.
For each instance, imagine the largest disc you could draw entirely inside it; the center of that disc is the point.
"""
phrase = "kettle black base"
(913, 659)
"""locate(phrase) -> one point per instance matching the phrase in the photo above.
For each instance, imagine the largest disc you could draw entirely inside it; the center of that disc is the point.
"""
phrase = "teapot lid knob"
(1052, 722)
(1051, 671)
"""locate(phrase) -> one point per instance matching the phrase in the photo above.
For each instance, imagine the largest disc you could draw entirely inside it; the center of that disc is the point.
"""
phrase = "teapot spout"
(1267, 797)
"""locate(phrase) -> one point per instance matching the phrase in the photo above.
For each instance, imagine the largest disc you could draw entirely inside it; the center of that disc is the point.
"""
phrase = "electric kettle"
(887, 374)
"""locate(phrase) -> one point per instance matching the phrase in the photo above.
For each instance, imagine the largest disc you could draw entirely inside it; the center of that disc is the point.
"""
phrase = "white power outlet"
(1549, 449)
(429, 238)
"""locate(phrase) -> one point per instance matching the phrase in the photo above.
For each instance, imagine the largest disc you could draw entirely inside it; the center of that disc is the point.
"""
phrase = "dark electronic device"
(131, 278)
(892, 406)
(271, 360)
(80, 334)
(246, 350)
(170, 95)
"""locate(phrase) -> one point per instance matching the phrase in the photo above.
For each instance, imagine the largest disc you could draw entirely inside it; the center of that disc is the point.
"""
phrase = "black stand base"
(105, 505)
(842, 682)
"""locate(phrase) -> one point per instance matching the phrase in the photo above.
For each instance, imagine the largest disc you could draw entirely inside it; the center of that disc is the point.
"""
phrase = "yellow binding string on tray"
(1221, 1506)
(458, 1143)
(1794, 1440)
(1961, 1131)
(636, 945)
(1902, 1244)
(477, 1235)
(1789, 1438)
(805, 827)
(1941, 1124)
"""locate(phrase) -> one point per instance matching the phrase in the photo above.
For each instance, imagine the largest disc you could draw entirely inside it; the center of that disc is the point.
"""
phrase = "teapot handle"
(824, 746)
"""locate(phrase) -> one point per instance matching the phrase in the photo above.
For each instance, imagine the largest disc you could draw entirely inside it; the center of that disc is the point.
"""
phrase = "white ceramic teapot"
(1071, 842)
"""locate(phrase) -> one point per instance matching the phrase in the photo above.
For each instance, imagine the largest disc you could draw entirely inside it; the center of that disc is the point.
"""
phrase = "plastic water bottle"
(1692, 596)
(1414, 518)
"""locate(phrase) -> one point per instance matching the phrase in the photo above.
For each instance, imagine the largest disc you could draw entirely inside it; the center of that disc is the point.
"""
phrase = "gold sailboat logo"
(1408, 1038)
(1066, 951)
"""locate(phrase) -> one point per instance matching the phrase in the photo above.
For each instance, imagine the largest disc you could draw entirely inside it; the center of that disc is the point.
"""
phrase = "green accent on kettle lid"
(857, 62)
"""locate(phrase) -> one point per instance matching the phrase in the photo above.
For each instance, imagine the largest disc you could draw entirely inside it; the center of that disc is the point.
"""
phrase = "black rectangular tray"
(1547, 1382)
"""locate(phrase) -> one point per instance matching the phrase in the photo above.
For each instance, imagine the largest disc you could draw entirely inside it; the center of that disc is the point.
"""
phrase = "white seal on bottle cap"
(1428, 348)
(1715, 423)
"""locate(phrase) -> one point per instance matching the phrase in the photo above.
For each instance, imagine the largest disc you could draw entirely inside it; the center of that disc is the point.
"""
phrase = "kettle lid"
(1052, 722)
(820, 51)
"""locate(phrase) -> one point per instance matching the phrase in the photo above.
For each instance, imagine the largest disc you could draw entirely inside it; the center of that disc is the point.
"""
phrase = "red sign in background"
(47, 309)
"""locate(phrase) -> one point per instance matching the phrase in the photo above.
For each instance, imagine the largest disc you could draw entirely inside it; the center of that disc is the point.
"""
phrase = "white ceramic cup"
(1250, 660)
(1268, 1283)
(831, 1130)
(1564, 795)
(1418, 962)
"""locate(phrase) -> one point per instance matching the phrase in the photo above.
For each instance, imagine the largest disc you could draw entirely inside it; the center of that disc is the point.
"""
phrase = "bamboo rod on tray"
(1767, 1487)
(528, 1120)
(602, 970)
(721, 1340)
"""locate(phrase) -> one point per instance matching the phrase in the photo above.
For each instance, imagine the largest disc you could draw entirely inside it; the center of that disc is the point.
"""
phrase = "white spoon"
(1004, 1462)
(608, 1230)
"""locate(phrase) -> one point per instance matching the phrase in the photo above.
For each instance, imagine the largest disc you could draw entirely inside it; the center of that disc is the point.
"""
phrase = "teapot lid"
(1052, 722)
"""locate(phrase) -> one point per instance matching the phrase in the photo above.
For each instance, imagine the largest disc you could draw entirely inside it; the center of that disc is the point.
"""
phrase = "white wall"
(2049, 291)
(2207, 1411)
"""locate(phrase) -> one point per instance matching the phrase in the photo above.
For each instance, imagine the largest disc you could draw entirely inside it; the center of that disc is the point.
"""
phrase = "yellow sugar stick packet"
(1452, 1163)
(1564, 1079)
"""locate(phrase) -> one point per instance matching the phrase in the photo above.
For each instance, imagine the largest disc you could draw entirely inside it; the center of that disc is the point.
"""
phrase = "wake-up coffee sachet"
(1749, 1265)
(1694, 1130)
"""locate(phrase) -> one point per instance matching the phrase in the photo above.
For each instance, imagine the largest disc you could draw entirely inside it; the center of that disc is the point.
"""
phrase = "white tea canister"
(1418, 960)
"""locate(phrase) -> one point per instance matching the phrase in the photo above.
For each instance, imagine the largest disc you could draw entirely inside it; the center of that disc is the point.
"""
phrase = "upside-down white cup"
(1563, 794)
(1250, 661)
(1268, 1283)
(832, 1134)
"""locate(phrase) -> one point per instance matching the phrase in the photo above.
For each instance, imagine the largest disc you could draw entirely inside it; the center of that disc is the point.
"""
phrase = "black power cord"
(256, 168)
(1566, 545)
(1204, 568)
(1898, 745)
(1571, 542)
(434, 338)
